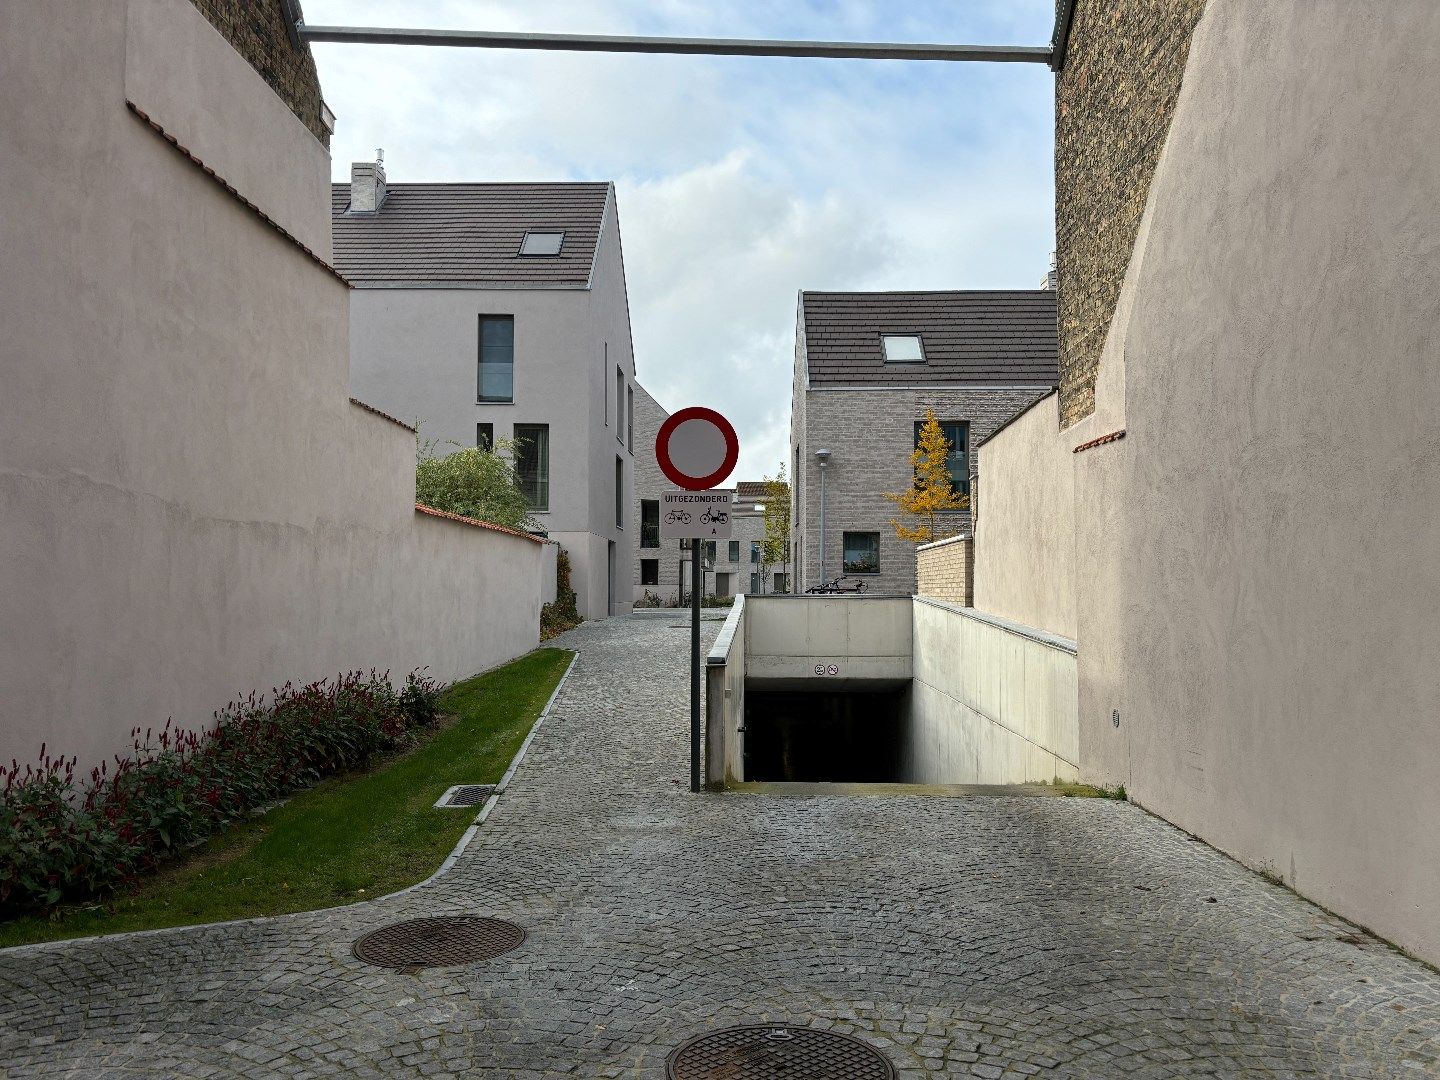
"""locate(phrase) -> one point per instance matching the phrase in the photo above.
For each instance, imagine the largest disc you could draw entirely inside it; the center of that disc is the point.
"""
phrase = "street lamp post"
(823, 457)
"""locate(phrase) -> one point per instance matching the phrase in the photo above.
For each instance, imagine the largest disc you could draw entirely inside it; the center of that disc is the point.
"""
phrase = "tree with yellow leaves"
(930, 491)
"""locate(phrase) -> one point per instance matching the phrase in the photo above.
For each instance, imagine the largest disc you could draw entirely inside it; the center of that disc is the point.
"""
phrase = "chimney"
(1047, 283)
(367, 184)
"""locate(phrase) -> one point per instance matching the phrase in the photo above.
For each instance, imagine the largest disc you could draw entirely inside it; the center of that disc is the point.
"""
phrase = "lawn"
(348, 838)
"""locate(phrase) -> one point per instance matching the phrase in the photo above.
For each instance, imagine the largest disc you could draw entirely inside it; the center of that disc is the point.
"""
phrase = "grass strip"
(348, 838)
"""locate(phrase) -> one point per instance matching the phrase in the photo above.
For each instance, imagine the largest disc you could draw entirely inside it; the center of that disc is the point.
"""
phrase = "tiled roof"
(977, 338)
(469, 234)
(749, 490)
(423, 509)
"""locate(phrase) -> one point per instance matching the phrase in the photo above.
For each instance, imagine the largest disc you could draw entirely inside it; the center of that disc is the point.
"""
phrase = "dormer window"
(902, 349)
(542, 243)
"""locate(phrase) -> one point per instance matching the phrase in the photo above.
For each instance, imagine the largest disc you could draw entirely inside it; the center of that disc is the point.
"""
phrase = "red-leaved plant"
(60, 841)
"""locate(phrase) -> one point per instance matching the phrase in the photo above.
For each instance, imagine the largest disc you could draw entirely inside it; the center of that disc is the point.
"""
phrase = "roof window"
(542, 243)
(902, 349)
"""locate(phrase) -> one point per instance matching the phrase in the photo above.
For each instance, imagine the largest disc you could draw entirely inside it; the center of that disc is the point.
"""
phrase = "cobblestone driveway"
(975, 936)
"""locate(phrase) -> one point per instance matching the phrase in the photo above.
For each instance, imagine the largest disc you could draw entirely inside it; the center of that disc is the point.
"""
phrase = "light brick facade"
(871, 434)
(945, 570)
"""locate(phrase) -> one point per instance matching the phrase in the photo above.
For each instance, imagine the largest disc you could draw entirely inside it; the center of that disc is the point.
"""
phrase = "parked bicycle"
(838, 586)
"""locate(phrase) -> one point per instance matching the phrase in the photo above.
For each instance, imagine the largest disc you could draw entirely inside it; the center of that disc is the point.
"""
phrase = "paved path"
(975, 936)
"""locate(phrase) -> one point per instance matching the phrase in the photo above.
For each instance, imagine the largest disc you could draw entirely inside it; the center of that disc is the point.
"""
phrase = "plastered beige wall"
(192, 508)
(1257, 562)
(1025, 525)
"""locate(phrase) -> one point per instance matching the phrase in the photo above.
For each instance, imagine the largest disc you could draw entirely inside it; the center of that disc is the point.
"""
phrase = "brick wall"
(871, 434)
(256, 30)
(945, 570)
(1113, 103)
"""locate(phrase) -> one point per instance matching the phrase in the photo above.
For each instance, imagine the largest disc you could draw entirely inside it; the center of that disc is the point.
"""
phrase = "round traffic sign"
(696, 448)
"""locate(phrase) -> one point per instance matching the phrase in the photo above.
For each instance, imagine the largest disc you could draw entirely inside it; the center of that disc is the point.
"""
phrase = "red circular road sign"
(696, 448)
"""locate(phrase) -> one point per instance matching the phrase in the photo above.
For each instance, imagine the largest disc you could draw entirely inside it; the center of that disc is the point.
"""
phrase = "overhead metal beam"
(834, 50)
(1060, 42)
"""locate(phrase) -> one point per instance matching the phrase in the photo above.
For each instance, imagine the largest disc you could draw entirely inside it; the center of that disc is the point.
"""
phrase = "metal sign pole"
(695, 587)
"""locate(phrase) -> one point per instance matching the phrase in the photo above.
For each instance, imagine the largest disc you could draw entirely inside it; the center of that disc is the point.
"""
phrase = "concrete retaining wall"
(725, 701)
(992, 702)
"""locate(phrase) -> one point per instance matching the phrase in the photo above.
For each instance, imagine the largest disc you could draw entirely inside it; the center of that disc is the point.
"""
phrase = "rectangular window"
(862, 553)
(649, 523)
(754, 551)
(780, 583)
(957, 460)
(532, 463)
(902, 349)
(497, 358)
(485, 436)
(734, 551)
(620, 493)
(710, 552)
(649, 571)
(722, 584)
(754, 583)
(619, 405)
(630, 419)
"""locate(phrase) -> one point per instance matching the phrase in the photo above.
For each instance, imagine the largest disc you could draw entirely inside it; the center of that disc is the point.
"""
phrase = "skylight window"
(542, 243)
(902, 349)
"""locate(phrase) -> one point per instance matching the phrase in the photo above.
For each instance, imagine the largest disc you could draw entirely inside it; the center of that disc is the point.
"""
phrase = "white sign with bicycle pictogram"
(695, 515)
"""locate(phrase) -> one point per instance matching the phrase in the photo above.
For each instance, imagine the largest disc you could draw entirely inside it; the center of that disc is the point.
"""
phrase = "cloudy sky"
(740, 180)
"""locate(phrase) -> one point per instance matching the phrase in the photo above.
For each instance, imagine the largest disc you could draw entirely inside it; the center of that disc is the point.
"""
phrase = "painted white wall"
(1257, 564)
(219, 516)
(1025, 525)
(414, 354)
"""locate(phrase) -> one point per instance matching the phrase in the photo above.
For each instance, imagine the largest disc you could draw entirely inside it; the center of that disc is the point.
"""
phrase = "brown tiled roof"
(749, 490)
(973, 337)
(469, 234)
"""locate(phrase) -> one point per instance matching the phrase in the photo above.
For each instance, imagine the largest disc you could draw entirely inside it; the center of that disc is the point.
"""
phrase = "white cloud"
(740, 181)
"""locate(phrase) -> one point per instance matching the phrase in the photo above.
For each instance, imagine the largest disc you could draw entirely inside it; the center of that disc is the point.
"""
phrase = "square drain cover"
(465, 795)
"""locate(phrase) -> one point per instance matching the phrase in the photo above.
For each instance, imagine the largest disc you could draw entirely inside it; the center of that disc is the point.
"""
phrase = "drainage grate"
(777, 1052)
(465, 795)
(437, 942)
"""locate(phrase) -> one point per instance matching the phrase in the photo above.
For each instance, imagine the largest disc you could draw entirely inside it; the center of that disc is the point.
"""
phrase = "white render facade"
(416, 353)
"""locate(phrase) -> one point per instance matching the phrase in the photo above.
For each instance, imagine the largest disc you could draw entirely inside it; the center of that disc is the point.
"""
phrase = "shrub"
(474, 483)
(59, 841)
(560, 614)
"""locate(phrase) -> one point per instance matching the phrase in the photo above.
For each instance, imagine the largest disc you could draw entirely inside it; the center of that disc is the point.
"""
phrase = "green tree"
(930, 490)
(775, 548)
(473, 482)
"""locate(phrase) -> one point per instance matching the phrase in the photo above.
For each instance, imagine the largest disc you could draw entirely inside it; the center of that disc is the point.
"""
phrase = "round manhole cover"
(438, 942)
(777, 1052)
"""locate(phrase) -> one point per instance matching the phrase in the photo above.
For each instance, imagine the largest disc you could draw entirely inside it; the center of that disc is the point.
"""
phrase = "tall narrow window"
(485, 436)
(619, 405)
(497, 358)
(754, 583)
(957, 458)
(630, 419)
(619, 492)
(532, 463)
(861, 553)
(734, 551)
(754, 551)
(649, 571)
(649, 523)
(604, 375)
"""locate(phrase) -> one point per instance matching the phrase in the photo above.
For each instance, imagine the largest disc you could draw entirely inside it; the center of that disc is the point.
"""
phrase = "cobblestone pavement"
(995, 937)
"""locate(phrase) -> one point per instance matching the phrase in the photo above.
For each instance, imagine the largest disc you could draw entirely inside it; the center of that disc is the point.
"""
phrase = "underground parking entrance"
(886, 690)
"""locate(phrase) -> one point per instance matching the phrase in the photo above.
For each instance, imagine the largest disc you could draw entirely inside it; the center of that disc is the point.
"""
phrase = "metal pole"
(695, 587)
(834, 50)
(822, 523)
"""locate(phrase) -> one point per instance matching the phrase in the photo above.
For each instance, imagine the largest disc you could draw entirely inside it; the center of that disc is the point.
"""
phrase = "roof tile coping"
(423, 509)
(385, 415)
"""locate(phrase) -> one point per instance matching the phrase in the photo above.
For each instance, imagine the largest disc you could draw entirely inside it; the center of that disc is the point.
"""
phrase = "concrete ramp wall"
(992, 702)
